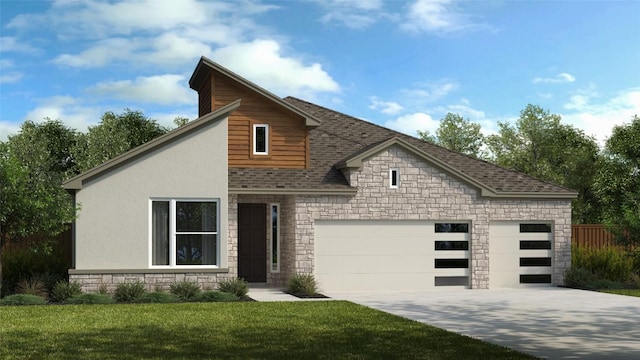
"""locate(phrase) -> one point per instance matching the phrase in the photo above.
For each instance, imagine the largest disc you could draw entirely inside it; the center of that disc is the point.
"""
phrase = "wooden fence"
(591, 235)
(62, 241)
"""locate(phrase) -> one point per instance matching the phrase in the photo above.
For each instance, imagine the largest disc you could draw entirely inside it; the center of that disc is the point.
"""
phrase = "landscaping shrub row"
(604, 268)
(133, 292)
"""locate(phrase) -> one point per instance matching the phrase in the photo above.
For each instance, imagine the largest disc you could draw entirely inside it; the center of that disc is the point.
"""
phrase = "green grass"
(241, 330)
(628, 292)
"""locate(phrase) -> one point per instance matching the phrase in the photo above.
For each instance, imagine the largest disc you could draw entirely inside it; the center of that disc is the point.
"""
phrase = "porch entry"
(252, 242)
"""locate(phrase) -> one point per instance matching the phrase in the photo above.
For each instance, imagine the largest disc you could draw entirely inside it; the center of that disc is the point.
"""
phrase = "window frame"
(255, 139)
(173, 233)
(275, 254)
(392, 178)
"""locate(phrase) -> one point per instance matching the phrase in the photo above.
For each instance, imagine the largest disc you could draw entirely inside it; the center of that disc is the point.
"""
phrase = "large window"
(260, 139)
(184, 232)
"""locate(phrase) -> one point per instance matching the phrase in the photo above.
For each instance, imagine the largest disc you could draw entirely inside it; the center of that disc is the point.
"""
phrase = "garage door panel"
(371, 245)
(375, 282)
(371, 264)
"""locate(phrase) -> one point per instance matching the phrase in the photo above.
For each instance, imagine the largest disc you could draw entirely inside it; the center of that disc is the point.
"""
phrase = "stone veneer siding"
(427, 193)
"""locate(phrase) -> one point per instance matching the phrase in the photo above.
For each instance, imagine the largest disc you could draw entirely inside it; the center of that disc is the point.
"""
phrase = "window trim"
(266, 139)
(275, 269)
(173, 233)
(392, 178)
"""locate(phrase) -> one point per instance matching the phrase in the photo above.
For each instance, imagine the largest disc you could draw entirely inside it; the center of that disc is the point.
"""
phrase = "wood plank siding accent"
(288, 138)
(204, 98)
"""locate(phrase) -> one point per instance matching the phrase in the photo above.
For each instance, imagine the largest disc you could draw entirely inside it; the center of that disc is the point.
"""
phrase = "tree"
(458, 134)
(33, 163)
(541, 146)
(180, 121)
(618, 182)
(115, 134)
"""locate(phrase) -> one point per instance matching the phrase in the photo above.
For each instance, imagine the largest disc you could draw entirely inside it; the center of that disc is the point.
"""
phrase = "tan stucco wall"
(112, 230)
(426, 193)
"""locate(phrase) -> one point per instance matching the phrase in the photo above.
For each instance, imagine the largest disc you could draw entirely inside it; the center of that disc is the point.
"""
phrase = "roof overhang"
(76, 182)
(206, 66)
(355, 161)
(289, 191)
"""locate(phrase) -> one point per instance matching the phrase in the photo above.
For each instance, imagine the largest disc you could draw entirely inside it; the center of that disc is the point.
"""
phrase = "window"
(260, 139)
(535, 279)
(452, 245)
(452, 228)
(534, 244)
(394, 178)
(535, 228)
(534, 261)
(184, 232)
(451, 263)
(275, 238)
(451, 280)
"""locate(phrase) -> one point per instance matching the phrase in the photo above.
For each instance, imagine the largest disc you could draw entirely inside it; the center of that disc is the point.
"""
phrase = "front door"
(252, 242)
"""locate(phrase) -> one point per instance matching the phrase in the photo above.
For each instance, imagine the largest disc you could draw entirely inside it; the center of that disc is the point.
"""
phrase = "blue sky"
(401, 64)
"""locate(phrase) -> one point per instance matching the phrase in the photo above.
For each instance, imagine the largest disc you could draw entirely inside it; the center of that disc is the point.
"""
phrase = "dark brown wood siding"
(288, 134)
(204, 98)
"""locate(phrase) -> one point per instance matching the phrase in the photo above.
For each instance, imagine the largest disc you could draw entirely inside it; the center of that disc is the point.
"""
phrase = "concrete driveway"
(553, 323)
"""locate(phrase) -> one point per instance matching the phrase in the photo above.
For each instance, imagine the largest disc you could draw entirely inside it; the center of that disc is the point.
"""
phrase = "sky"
(400, 64)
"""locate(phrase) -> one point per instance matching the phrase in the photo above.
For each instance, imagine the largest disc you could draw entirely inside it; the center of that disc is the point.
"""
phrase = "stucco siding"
(112, 229)
(426, 193)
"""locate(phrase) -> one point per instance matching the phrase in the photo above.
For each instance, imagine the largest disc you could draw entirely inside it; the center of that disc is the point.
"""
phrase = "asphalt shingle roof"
(340, 136)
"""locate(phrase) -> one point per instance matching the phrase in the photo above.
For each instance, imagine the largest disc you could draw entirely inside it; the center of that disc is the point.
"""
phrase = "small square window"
(394, 178)
(260, 139)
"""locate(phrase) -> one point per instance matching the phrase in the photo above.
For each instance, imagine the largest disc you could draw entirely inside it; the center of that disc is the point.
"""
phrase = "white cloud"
(101, 54)
(8, 128)
(261, 61)
(430, 91)
(411, 123)
(10, 77)
(161, 89)
(166, 119)
(597, 116)
(355, 14)
(11, 44)
(560, 78)
(67, 109)
(385, 107)
(438, 17)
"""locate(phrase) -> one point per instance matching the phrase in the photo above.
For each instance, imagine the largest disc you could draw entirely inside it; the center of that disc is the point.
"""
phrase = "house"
(261, 187)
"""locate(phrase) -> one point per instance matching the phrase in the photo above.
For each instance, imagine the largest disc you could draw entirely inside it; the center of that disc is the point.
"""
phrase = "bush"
(303, 284)
(215, 296)
(158, 297)
(32, 286)
(129, 291)
(237, 287)
(90, 299)
(185, 290)
(23, 299)
(607, 263)
(602, 284)
(64, 290)
(578, 277)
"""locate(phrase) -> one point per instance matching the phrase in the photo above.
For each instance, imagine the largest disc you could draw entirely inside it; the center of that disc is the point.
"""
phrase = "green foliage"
(578, 277)
(158, 297)
(63, 290)
(32, 286)
(116, 134)
(185, 290)
(215, 296)
(23, 299)
(458, 134)
(304, 284)
(90, 299)
(618, 183)
(237, 286)
(41, 261)
(607, 263)
(129, 291)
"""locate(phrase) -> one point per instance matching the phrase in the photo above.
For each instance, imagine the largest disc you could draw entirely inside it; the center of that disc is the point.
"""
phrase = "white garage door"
(391, 255)
(520, 254)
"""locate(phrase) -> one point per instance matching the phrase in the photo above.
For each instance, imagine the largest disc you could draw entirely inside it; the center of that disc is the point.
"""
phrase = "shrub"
(237, 286)
(90, 299)
(158, 297)
(606, 263)
(304, 284)
(215, 296)
(129, 291)
(185, 290)
(23, 299)
(601, 284)
(32, 286)
(103, 289)
(64, 290)
(578, 277)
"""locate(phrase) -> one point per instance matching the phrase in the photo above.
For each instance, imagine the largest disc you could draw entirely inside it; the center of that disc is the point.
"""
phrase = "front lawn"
(245, 330)
(628, 292)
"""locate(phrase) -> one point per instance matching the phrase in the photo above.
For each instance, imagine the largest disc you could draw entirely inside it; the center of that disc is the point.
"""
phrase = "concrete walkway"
(553, 323)
(261, 294)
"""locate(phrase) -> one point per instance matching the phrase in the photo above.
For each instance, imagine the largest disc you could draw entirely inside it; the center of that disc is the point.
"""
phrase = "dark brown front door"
(252, 242)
